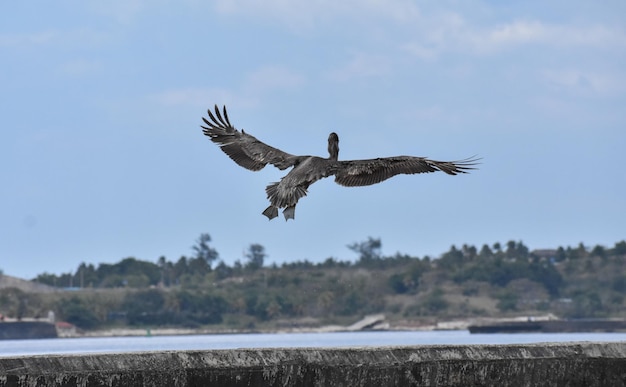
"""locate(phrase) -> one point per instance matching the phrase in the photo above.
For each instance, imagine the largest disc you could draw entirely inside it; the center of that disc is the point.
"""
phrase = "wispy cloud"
(303, 14)
(362, 65)
(192, 97)
(29, 39)
(81, 67)
(589, 83)
(536, 32)
(450, 32)
(270, 78)
(123, 11)
(518, 32)
(71, 37)
(253, 88)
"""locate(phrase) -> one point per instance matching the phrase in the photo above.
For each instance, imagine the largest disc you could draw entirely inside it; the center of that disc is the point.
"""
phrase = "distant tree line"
(202, 290)
(133, 273)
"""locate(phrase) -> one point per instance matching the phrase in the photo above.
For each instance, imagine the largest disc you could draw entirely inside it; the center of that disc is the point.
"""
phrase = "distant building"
(545, 254)
(65, 329)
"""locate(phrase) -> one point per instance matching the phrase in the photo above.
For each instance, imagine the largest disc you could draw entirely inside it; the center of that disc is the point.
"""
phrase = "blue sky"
(102, 156)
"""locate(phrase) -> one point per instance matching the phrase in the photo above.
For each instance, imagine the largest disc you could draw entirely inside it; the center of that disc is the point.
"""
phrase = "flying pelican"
(253, 154)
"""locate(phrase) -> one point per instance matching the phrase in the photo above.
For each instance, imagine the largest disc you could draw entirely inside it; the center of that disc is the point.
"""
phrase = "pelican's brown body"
(253, 154)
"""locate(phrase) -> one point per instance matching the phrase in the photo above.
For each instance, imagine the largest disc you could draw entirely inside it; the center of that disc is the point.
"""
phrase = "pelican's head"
(333, 146)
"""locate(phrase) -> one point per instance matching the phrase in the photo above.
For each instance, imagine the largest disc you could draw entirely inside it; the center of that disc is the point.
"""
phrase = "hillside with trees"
(203, 291)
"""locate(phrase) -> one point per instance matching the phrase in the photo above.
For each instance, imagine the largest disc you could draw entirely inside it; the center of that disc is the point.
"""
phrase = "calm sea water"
(278, 340)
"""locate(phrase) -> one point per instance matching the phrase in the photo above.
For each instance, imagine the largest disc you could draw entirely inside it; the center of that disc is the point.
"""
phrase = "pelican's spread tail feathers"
(281, 196)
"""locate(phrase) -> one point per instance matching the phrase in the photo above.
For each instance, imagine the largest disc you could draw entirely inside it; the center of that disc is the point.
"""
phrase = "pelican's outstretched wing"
(243, 148)
(354, 173)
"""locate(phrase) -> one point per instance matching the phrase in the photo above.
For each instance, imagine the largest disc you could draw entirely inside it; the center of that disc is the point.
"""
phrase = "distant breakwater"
(22, 330)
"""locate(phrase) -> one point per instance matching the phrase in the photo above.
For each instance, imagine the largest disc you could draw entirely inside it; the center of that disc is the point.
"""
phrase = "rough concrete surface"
(563, 364)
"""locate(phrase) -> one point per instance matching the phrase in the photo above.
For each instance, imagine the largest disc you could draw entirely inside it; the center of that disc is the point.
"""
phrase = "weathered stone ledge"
(560, 364)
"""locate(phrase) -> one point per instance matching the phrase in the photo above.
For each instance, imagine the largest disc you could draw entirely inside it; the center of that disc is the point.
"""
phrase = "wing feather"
(354, 173)
(241, 147)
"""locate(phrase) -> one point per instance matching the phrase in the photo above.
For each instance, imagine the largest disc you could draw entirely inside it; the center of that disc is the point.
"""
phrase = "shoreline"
(376, 322)
(452, 325)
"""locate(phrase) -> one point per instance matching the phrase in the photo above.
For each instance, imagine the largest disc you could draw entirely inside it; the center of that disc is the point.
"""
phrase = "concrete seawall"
(566, 364)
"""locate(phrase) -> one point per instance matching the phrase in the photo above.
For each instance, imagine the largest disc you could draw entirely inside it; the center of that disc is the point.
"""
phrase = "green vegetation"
(203, 291)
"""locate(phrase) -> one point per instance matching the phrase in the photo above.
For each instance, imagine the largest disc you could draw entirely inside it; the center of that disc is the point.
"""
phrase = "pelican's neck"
(333, 146)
